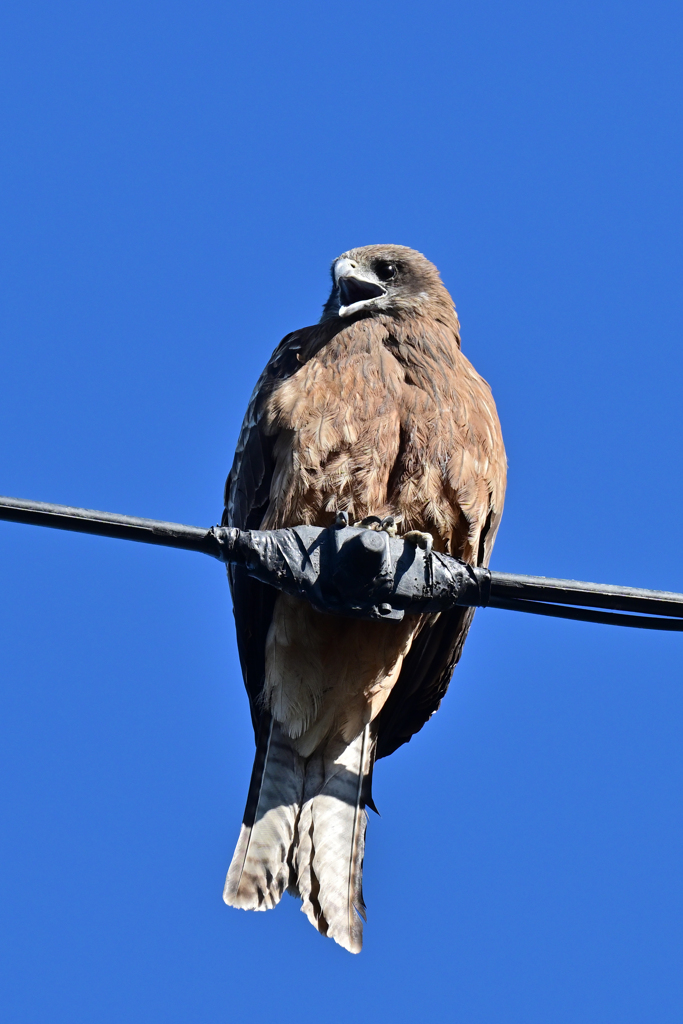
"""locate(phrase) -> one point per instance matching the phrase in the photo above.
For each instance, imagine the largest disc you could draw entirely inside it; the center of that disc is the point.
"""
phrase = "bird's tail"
(261, 864)
(328, 853)
(304, 830)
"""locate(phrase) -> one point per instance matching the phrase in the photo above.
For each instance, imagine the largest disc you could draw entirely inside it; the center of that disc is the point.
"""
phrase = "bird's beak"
(357, 288)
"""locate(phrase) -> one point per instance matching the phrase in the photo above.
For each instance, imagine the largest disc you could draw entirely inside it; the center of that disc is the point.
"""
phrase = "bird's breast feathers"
(387, 419)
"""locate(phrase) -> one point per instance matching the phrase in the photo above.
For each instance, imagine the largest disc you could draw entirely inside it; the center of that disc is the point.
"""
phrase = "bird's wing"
(475, 484)
(247, 494)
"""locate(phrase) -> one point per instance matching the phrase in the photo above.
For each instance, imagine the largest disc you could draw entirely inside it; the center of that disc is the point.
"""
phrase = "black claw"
(371, 521)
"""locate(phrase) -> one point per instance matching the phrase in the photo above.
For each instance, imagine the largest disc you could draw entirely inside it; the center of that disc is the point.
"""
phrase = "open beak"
(357, 288)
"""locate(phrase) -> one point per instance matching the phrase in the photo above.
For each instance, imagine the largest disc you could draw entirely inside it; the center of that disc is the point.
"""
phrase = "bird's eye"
(386, 271)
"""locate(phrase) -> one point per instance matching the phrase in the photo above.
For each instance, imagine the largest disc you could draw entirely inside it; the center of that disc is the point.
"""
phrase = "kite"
(373, 412)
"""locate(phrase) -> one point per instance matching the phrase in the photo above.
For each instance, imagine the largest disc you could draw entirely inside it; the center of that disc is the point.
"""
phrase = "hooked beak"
(357, 288)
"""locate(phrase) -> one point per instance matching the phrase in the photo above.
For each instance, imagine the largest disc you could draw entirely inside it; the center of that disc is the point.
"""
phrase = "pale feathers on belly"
(329, 675)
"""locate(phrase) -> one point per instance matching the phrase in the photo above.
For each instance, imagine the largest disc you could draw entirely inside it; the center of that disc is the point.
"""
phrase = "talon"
(371, 523)
(389, 525)
(420, 540)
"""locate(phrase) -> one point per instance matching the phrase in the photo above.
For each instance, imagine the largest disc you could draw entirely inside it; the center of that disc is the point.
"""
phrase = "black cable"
(463, 584)
(588, 615)
(109, 524)
(625, 599)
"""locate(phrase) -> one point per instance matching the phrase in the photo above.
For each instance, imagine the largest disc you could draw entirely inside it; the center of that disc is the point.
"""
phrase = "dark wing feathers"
(424, 679)
(247, 492)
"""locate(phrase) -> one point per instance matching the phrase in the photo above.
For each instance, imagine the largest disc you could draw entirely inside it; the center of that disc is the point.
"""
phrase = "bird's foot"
(371, 523)
(420, 540)
(390, 525)
(387, 525)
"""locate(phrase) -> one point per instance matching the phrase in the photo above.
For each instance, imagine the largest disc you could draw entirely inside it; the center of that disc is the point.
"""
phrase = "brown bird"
(373, 411)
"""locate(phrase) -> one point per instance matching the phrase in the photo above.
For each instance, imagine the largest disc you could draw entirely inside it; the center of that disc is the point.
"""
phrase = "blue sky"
(175, 180)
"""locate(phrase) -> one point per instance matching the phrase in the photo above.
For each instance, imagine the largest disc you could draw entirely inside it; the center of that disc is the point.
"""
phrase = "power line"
(353, 571)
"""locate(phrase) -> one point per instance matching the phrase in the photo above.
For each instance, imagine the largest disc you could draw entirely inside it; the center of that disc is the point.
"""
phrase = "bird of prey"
(375, 412)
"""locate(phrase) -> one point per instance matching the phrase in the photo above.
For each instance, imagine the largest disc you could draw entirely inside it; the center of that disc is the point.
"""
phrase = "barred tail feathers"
(260, 869)
(328, 856)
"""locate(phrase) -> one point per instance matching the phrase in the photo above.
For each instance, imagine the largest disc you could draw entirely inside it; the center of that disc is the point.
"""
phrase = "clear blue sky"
(175, 179)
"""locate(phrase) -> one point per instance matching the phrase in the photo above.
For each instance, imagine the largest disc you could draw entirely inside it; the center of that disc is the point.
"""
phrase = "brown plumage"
(373, 411)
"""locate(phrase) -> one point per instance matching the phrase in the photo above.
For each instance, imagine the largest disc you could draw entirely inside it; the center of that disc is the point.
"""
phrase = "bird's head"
(385, 279)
